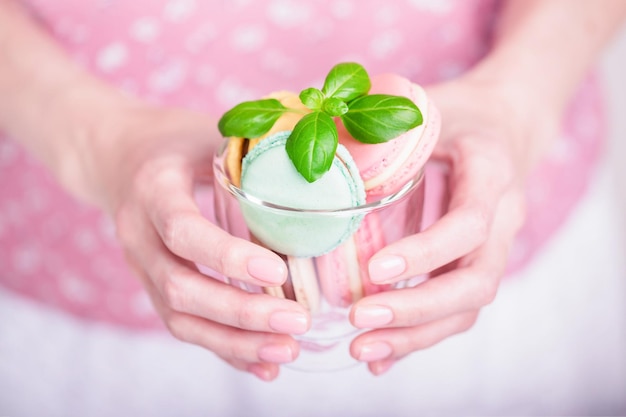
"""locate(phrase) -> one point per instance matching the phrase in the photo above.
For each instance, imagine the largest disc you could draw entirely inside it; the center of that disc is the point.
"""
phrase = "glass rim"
(224, 180)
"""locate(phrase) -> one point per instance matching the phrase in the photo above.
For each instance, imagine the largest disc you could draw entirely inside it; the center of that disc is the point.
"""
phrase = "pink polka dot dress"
(209, 55)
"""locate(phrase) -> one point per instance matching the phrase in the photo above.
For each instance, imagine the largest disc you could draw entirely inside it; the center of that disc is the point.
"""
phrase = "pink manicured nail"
(276, 353)
(381, 367)
(261, 372)
(385, 268)
(375, 352)
(291, 322)
(372, 316)
(267, 270)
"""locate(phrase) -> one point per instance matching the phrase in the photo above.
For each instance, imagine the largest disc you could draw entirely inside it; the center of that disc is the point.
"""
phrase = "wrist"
(531, 112)
(87, 122)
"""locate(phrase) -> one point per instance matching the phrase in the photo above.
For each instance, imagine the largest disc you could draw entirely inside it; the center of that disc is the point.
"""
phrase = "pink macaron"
(343, 273)
(386, 167)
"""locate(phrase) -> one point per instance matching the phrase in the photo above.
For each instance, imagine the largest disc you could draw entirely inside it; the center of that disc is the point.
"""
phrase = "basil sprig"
(374, 118)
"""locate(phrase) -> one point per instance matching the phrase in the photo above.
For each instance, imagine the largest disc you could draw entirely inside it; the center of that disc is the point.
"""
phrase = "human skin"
(117, 152)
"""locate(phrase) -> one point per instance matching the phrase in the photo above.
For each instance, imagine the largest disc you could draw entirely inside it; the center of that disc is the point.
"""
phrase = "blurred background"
(614, 73)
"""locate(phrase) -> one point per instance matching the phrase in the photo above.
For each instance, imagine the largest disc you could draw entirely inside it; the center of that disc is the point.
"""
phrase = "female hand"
(483, 145)
(145, 175)
(140, 164)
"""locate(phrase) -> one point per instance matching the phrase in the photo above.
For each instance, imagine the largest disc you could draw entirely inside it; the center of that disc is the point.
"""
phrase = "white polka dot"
(204, 75)
(112, 57)
(239, 3)
(385, 43)
(519, 250)
(179, 10)
(145, 29)
(563, 151)
(229, 92)
(341, 9)
(538, 194)
(288, 13)
(433, 6)
(26, 259)
(248, 38)
(200, 37)
(85, 241)
(75, 289)
(141, 305)
(8, 153)
(36, 199)
(168, 77)
(586, 125)
(14, 213)
(279, 62)
(3, 227)
(450, 70)
(449, 33)
(106, 230)
(321, 30)
(386, 16)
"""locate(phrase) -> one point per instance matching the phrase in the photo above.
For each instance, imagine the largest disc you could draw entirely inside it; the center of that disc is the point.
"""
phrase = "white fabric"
(552, 343)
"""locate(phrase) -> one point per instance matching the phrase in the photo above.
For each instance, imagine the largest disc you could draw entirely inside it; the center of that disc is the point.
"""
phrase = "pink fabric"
(209, 55)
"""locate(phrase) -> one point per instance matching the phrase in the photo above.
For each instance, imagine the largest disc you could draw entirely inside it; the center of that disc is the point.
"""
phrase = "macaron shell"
(369, 239)
(268, 175)
(386, 167)
(286, 121)
(303, 278)
(339, 275)
(397, 175)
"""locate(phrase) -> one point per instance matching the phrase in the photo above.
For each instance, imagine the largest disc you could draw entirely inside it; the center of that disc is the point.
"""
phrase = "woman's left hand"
(465, 251)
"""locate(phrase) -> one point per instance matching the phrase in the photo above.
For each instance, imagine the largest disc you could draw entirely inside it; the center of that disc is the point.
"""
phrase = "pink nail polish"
(276, 353)
(385, 268)
(267, 270)
(375, 351)
(381, 367)
(372, 316)
(290, 322)
(260, 372)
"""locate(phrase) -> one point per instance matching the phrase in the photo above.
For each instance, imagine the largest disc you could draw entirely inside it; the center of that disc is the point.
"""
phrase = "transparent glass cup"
(328, 284)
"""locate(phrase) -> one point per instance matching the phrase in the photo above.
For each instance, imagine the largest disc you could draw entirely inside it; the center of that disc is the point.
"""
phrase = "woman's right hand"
(144, 174)
(140, 162)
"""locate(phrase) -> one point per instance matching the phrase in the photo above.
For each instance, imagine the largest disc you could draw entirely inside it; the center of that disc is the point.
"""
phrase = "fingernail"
(291, 322)
(381, 367)
(372, 316)
(261, 372)
(276, 353)
(375, 352)
(267, 270)
(385, 268)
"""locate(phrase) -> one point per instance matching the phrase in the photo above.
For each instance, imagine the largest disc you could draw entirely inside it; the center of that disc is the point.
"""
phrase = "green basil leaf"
(312, 145)
(312, 98)
(334, 107)
(346, 81)
(251, 119)
(379, 118)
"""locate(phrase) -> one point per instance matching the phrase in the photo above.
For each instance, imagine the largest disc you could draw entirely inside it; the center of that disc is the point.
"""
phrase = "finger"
(239, 347)
(185, 290)
(232, 344)
(265, 371)
(188, 234)
(270, 349)
(478, 178)
(182, 288)
(382, 346)
(380, 367)
(471, 286)
(280, 352)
